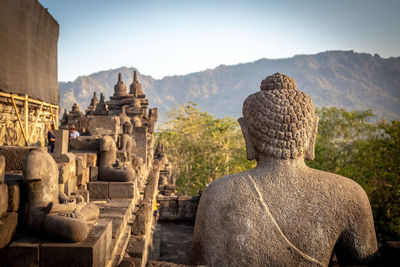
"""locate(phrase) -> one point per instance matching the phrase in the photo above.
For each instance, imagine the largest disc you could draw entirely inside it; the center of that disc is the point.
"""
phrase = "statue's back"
(256, 219)
(282, 213)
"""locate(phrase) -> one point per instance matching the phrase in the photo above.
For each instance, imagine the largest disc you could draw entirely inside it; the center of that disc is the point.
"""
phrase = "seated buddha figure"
(109, 168)
(49, 210)
(282, 213)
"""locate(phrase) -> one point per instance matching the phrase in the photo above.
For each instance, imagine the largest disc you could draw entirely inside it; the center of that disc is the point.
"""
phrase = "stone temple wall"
(10, 129)
(173, 233)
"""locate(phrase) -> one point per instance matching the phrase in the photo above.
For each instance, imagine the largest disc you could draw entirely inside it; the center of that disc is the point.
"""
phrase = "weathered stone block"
(121, 190)
(140, 136)
(84, 158)
(84, 193)
(14, 195)
(107, 242)
(120, 211)
(3, 198)
(2, 168)
(22, 252)
(104, 125)
(71, 185)
(93, 174)
(8, 225)
(98, 190)
(180, 208)
(94, 251)
(63, 173)
(79, 165)
(61, 146)
(15, 156)
(142, 218)
(136, 247)
(66, 170)
(91, 159)
(86, 143)
(66, 158)
(84, 176)
(117, 229)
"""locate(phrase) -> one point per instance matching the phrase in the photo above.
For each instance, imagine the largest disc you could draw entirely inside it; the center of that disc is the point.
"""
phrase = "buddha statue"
(136, 111)
(109, 168)
(49, 210)
(282, 213)
(128, 144)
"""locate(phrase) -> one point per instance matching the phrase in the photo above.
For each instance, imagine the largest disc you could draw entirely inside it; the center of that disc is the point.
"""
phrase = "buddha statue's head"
(279, 120)
(127, 128)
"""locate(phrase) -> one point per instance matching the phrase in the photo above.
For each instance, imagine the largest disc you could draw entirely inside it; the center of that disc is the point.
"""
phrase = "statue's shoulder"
(342, 187)
(225, 188)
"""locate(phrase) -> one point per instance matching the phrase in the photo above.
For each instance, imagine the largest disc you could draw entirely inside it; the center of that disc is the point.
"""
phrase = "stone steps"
(141, 239)
(120, 212)
(102, 190)
(120, 248)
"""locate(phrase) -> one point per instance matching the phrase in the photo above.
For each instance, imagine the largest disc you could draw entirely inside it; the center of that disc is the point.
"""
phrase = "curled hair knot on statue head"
(280, 118)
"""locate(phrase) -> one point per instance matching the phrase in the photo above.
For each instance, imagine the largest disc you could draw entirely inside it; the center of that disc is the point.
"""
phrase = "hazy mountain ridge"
(334, 78)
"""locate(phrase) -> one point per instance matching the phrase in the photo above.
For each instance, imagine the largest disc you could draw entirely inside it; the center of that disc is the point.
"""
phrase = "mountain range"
(355, 81)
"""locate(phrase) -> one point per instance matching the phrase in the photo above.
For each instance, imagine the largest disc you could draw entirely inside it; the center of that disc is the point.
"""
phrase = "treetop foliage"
(352, 145)
(203, 148)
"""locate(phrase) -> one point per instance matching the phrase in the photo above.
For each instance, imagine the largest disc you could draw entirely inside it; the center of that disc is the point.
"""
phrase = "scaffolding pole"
(54, 109)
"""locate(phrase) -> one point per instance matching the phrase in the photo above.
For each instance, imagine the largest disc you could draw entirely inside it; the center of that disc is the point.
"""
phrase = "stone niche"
(87, 143)
(140, 136)
(104, 125)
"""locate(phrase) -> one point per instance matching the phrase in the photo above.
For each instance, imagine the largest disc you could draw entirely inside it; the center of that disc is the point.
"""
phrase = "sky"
(176, 37)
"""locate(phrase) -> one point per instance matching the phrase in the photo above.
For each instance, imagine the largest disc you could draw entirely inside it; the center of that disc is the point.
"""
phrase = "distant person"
(73, 133)
(51, 138)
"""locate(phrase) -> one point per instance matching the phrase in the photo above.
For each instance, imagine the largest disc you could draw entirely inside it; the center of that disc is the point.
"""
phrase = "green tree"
(379, 164)
(349, 144)
(201, 147)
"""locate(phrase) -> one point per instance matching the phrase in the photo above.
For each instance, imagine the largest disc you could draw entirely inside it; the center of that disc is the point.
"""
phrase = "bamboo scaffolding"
(19, 120)
(26, 100)
(35, 123)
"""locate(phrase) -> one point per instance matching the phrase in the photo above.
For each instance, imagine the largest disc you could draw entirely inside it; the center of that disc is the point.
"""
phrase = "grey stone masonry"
(94, 251)
(61, 146)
